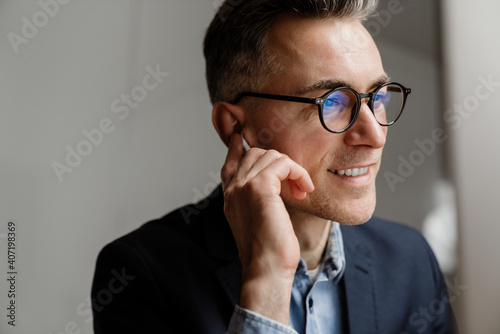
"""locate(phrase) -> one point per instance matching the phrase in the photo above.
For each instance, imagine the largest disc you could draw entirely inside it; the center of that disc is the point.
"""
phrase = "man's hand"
(268, 247)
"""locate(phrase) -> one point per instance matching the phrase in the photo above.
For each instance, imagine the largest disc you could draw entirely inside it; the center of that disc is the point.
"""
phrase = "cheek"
(273, 128)
(312, 150)
(297, 133)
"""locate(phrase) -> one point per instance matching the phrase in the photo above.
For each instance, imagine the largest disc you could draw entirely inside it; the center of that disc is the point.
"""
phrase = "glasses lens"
(338, 109)
(388, 103)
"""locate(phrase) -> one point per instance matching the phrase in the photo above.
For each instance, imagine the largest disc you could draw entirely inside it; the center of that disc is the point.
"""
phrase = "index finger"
(233, 159)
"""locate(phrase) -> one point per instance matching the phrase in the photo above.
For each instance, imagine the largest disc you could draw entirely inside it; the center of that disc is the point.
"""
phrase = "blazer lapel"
(359, 284)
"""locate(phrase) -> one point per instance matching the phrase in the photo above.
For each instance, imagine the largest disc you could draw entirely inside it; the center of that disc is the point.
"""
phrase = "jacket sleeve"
(245, 321)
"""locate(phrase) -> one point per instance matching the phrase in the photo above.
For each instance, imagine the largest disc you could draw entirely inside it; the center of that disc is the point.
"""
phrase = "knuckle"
(227, 171)
(258, 185)
(252, 185)
(225, 176)
(284, 158)
(266, 178)
(281, 157)
(274, 154)
(228, 197)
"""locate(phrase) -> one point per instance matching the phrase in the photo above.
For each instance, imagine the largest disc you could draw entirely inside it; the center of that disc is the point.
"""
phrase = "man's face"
(317, 55)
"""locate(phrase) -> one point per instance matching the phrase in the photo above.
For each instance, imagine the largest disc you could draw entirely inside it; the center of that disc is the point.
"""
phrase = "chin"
(355, 212)
(354, 219)
(348, 212)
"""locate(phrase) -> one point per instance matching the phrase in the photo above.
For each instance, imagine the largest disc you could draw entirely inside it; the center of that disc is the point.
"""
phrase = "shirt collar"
(332, 263)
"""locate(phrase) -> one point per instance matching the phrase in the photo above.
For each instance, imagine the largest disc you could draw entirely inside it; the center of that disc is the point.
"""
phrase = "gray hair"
(235, 50)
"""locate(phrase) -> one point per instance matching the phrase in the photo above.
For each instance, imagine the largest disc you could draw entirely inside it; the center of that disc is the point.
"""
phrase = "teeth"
(352, 171)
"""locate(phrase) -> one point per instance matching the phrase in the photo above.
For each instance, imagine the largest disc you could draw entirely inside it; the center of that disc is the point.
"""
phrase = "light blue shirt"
(315, 306)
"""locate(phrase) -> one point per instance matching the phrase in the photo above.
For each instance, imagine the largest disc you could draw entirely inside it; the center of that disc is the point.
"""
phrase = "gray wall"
(472, 78)
(408, 39)
(64, 80)
(71, 76)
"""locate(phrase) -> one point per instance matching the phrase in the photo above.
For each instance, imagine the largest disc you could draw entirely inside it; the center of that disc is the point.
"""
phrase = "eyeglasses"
(339, 108)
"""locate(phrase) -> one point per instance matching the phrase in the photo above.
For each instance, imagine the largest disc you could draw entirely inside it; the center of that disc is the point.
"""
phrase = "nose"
(366, 130)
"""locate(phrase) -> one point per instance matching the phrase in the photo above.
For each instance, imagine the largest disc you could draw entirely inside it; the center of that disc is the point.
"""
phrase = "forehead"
(313, 50)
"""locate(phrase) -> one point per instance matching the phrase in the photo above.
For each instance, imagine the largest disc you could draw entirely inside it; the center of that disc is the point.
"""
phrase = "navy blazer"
(181, 274)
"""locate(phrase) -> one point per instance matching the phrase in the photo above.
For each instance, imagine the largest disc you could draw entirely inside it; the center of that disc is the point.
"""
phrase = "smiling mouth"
(351, 171)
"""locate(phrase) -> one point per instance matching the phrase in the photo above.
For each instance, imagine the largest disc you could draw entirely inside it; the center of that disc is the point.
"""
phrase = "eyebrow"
(332, 84)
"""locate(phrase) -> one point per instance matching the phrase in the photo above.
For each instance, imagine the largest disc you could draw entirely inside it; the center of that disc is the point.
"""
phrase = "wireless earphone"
(245, 144)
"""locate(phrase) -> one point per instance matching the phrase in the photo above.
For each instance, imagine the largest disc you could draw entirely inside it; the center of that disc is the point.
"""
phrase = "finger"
(285, 169)
(300, 180)
(295, 190)
(233, 158)
(259, 160)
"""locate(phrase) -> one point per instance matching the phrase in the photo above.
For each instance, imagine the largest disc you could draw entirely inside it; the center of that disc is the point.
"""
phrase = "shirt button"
(310, 303)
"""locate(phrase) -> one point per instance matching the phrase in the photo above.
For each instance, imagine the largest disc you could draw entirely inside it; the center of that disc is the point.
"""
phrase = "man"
(272, 251)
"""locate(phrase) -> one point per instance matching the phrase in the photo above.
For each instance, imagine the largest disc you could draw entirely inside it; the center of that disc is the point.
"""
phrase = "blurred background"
(105, 123)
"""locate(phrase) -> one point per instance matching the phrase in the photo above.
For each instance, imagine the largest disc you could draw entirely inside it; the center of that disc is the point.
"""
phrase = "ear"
(227, 119)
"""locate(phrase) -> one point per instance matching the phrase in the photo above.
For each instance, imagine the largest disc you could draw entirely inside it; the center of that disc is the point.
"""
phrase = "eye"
(336, 102)
(382, 99)
(332, 103)
(337, 109)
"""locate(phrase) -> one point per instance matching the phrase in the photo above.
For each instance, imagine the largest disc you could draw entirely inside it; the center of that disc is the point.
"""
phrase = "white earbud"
(245, 144)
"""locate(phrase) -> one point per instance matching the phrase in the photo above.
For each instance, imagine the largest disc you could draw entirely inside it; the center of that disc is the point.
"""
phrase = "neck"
(312, 233)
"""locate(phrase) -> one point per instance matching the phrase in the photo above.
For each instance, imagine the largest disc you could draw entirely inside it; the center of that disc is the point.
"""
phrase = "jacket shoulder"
(397, 252)
(183, 229)
(166, 260)
(381, 235)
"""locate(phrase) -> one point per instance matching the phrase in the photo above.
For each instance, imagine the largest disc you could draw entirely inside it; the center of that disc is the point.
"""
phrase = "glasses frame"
(320, 102)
